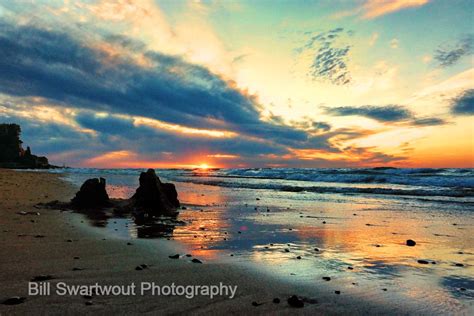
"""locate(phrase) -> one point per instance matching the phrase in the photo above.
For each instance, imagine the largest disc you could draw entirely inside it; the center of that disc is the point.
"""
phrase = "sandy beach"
(47, 244)
(66, 247)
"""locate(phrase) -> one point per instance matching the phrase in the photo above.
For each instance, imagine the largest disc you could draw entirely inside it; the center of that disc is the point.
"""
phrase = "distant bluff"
(12, 154)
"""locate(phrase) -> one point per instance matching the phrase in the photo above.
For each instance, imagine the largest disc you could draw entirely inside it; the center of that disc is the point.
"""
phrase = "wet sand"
(65, 246)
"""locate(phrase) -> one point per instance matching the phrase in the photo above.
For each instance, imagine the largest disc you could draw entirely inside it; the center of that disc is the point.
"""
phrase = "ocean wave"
(453, 192)
(463, 178)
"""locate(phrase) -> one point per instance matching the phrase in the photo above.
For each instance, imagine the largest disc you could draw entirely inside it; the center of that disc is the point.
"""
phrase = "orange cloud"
(376, 8)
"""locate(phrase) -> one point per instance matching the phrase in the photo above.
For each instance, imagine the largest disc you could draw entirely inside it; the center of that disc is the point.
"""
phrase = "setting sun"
(203, 166)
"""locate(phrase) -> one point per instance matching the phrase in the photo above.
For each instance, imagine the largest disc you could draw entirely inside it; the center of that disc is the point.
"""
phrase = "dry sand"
(25, 254)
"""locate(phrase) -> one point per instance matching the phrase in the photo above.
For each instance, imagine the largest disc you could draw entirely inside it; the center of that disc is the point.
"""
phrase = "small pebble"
(14, 300)
(423, 262)
(294, 301)
(42, 277)
(176, 256)
(410, 243)
(276, 300)
(196, 260)
(326, 278)
(337, 292)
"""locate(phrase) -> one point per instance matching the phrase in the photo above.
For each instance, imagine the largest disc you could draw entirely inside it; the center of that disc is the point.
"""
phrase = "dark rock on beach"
(294, 301)
(14, 300)
(92, 194)
(154, 197)
(410, 243)
(41, 278)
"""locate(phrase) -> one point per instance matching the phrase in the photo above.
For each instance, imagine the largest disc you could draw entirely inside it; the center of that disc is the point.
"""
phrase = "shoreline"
(66, 236)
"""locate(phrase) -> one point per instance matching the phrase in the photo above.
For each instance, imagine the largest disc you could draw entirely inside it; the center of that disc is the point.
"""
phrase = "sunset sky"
(148, 83)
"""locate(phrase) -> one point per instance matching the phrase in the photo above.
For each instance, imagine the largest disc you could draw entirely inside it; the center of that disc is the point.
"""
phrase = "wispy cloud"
(328, 56)
(371, 9)
(386, 113)
(376, 8)
(449, 55)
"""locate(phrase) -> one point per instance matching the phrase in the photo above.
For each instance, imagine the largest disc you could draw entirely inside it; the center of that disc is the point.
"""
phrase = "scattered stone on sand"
(129, 244)
(337, 292)
(294, 301)
(43, 277)
(385, 290)
(462, 289)
(92, 194)
(88, 303)
(144, 266)
(350, 268)
(287, 250)
(410, 243)
(77, 269)
(14, 300)
(189, 255)
(257, 199)
(138, 268)
(256, 304)
(276, 300)
(176, 256)
(299, 257)
(39, 236)
(196, 260)
(459, 265)
(324, 222)
(316, 249)
(326, 278)
(69, 240)
(423, 262)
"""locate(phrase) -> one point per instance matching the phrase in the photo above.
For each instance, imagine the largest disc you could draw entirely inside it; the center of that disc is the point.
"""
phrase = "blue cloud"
(322, 126)
(329, 61)
(428, 121)
(464, 104)
(450, 55)
(56, 66)
(386, 113)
